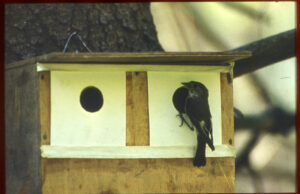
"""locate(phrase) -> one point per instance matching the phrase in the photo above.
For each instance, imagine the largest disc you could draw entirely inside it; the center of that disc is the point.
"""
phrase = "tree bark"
(35, 29)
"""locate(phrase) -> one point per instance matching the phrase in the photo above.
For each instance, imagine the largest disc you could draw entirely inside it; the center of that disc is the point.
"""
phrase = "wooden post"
(22, 130)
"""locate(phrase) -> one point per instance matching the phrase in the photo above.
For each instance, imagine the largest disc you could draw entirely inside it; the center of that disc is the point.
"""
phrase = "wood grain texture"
(137, 176)
(22, 131)
(227, 108)
(137, 117)
(44, 94)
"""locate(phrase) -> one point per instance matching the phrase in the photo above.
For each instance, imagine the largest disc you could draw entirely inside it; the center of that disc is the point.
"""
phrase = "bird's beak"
(185, 84)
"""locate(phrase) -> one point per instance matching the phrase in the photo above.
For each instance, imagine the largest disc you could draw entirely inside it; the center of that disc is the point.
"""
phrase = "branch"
(266, 52)
(274, 120)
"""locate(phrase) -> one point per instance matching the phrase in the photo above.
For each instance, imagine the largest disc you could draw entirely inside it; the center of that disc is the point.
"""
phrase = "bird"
(196, 107)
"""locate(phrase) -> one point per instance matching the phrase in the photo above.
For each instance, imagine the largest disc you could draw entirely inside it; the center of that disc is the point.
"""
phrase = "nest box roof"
(146, 58)
(138, 58)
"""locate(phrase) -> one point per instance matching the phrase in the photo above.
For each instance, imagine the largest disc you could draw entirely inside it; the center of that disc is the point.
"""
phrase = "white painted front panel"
(164, 125)
(71, 125)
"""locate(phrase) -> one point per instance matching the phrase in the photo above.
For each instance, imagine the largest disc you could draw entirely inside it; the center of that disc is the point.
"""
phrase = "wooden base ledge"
(132, 152)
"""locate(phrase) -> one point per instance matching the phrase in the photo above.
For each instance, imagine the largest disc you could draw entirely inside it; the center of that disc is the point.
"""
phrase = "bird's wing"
(199, 113)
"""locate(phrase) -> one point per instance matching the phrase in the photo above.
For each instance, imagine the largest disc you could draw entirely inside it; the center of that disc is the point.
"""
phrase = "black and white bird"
(196, 107)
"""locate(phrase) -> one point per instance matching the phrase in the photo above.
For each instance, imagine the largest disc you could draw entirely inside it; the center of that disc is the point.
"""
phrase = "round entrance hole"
(91, 99)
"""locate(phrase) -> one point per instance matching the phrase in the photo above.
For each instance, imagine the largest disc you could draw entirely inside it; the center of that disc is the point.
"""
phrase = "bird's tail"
(200, 159)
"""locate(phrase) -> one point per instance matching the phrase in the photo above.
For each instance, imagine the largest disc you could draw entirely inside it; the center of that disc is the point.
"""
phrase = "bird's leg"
(184, 121)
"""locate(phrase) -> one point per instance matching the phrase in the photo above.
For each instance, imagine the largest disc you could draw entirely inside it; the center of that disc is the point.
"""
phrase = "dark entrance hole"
(91, 99)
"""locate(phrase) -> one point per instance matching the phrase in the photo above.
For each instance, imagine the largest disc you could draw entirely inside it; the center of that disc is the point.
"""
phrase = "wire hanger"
(79, 37)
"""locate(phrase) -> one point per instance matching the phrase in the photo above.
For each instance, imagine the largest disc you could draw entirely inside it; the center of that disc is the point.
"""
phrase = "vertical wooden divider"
(227, 108)
(137, 119)
(44, 95)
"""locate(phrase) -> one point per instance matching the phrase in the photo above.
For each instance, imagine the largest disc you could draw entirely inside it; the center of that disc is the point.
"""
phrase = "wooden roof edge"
(147, 57)
(30, 61)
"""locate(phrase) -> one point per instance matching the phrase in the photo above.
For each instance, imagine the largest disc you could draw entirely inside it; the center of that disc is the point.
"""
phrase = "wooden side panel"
(137, 176)
(44, 92)
(22, 131)
(137, 119)
(227, 108)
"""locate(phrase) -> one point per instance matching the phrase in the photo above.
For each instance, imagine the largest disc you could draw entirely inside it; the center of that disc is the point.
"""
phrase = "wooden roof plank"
(196, 58)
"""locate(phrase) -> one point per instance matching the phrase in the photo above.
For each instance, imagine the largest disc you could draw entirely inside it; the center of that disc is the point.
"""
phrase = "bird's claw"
(184, 121)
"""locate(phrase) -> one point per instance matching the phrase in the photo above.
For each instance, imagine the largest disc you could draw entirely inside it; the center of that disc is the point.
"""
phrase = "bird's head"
(196, 89)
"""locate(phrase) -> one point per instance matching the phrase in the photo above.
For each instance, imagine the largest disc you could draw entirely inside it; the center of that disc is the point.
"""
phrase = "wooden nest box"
(106, 123)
